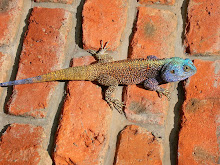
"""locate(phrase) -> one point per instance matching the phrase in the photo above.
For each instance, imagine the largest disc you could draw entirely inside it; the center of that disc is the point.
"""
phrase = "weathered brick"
(205, 83)
(22, 144)
(10, 14)
(56, 1)
(145, 106)
(138, 146)
(162, 2)
(5, 64)
(83, 137)
(43, 51)
(202, 27)
(103, 20)
(200, 128)
(154, 33)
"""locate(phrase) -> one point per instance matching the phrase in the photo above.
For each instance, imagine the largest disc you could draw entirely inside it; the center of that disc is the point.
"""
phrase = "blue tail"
(17, 82)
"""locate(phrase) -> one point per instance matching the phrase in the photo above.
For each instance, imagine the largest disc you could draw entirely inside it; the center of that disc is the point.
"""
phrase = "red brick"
(83, 137)
(22, 144)
(162, 2)
(43, 51)
(103, 20)
(199, 134)
(154, 33)
(205, 83)
(56, 1)
(202, 27)
(138, 146)
(145, 106)
(10, 14)
(5, 64)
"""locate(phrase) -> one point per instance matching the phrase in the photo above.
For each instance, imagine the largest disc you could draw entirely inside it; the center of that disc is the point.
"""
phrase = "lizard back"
(131, 71)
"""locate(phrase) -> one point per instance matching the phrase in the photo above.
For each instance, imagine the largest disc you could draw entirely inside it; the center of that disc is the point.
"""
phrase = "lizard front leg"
(153, 84)
(112, 84)
(101, 55)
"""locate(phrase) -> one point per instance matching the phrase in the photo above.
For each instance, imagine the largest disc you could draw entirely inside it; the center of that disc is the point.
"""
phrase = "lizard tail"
(26, 81)
(75, 73)
(17, 82)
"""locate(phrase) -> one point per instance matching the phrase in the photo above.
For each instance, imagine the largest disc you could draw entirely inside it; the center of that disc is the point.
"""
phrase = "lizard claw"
(92, 52)
(165, 93)
(103, 48)
(101, 51)
(118, 105)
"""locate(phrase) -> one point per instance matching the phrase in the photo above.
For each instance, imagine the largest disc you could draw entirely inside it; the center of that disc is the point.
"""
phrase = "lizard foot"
(101, 51)
(118, 105)
(101, 55)
(164, 92)
(103, 48)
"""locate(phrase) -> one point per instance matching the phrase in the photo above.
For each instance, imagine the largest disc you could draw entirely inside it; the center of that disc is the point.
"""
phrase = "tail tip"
(4, 84)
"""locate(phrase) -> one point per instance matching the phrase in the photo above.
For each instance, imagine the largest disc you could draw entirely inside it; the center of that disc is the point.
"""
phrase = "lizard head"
(177, 69)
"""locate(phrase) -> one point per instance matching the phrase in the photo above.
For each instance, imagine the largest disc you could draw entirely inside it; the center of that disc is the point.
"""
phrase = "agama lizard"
(150, 71)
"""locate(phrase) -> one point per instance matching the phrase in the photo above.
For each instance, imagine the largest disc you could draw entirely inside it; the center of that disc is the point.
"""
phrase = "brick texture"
(56, 1)
(137, 146)
(22, 144)
(100, 23)
(199, 134)
(202, 27)
(82, 137)
(43, 51)
(154, 33)
(162, 2)
(145, 106)
(5, 64)
(10, 15)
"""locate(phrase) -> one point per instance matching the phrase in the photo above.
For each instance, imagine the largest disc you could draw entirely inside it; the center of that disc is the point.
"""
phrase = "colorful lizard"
(150, 71)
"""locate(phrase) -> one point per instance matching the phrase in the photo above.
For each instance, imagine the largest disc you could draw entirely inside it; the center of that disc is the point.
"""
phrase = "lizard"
(151, 72)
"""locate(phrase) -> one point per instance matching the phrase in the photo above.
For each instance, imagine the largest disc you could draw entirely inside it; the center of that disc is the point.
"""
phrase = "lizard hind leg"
(112, 84)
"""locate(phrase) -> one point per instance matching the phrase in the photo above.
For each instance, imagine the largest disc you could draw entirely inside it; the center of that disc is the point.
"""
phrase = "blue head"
(177, 69)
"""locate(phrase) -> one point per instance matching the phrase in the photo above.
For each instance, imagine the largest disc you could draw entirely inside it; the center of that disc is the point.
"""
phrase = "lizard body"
(151, 71)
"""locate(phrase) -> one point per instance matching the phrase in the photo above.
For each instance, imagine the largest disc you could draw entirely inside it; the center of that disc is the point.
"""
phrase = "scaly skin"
(151, 72)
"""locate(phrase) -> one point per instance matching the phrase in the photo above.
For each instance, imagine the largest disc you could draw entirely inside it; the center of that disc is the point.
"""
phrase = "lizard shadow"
(174, 134)
(4, 129)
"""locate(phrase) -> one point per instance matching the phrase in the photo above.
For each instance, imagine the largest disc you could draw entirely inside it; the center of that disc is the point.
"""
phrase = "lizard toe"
(118, 105)
(165, 92)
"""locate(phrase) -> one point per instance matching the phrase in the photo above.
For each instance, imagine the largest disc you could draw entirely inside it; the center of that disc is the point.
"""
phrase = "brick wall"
(69, 122)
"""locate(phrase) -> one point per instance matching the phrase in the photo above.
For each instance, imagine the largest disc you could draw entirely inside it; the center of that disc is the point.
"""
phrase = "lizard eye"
(172, 71)
(186, 68)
